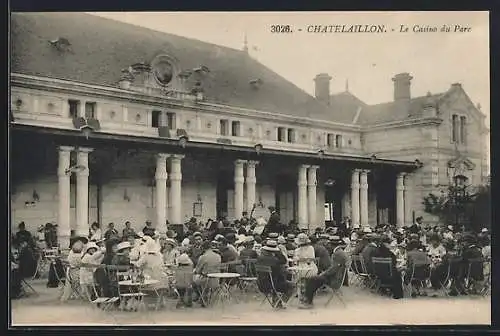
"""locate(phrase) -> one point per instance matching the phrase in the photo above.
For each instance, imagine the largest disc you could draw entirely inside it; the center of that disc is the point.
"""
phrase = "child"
(183, 280)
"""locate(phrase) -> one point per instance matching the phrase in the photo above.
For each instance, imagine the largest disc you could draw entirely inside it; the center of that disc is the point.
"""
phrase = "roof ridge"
(411, 99)
(159, 31)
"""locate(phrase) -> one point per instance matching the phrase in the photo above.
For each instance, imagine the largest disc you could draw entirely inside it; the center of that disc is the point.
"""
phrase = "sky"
(368, 61)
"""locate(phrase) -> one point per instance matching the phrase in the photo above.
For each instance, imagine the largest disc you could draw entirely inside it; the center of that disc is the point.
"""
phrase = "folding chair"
(264, 273)
(360, 273)
(102, 302)
(335, 287)
(420, 273)
(474, 275)
(382, 268)
(248, 280)
(452, 272)
(26, 288)
(486, 290)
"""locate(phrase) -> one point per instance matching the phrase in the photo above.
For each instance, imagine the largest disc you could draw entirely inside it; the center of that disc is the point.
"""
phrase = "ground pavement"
(362, 308)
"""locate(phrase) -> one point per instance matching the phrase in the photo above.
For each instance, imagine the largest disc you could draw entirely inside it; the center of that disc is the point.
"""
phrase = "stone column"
(82, 192)
(250, 181)
(363, 198)
(400, 206)
(238, 188)
(302, 195)
(355, 198)
(311, 197)
(161, 192)
(407, 195)
(176, 189)
(63, 214)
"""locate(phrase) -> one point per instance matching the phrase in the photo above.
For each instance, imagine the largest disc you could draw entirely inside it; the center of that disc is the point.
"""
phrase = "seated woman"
(304, 258)
(92, 256)
(169, 251)
(209, 262)
(151, 264)
(72, 284)
(15, 280)
(184, 280)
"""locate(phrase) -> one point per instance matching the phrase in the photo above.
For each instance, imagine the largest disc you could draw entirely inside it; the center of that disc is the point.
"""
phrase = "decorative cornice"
(108, 92)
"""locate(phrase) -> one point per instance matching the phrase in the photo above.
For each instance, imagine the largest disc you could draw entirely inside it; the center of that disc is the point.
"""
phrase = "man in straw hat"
(333, 275)
(272, 257)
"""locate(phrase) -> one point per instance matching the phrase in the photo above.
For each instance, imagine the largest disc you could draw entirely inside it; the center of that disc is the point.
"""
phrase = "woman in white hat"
(151, 263)
(92, 256)
(305, 259)
(169, 251)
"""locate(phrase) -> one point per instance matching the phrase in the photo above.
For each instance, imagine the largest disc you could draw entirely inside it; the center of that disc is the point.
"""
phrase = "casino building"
(113, 122)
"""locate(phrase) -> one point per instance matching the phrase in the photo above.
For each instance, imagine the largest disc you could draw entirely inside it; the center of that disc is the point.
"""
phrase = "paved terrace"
(362, 308)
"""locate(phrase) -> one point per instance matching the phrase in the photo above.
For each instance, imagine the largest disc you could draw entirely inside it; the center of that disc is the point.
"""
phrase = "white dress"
(304, 257)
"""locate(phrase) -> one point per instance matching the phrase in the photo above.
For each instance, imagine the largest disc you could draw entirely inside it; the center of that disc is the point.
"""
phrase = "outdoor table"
(223, 291)
(138, 285)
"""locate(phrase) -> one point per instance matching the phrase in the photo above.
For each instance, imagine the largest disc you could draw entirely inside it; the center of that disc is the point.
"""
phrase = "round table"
(223, 291)
(147, 282)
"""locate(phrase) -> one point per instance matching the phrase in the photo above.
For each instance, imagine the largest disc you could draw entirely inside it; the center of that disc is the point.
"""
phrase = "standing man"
(417, 226)
(149, 230)
(273, 224)
(111, 232)
(128, 231)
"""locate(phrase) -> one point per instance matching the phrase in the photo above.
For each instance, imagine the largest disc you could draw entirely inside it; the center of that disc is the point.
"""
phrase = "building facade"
(111, 122)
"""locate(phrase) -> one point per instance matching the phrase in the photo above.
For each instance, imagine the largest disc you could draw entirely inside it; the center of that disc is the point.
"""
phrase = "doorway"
(224, 186)
(333, 204)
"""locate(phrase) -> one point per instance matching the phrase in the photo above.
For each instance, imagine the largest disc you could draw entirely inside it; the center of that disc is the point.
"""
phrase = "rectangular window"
(454, 128)
(73, 108)
(235, 128)
(463, 130)
(338, 141)
(291, 135)
(171, 120)
(281, 134)
(224, 125)
(90, 110)
(155, 118)
(330, 140)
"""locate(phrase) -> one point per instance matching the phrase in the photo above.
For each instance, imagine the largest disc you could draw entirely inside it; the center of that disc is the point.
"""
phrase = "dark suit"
(321, 252)
(396, 281)
(414, 228)
(332, 276)
(277, 262)
(367, 254)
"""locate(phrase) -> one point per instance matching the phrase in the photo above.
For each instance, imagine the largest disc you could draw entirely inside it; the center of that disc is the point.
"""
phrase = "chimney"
(322, 87)
(402, 86)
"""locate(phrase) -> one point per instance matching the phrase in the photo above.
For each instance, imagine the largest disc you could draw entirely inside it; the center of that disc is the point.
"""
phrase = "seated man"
(321, 253)
(415, 256)
(384, 251)
(369, 250)
(271, 256)
(209, 262)
(333, 275)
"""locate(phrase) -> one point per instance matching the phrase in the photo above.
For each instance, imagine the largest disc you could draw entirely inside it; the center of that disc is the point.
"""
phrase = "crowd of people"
(301, 262)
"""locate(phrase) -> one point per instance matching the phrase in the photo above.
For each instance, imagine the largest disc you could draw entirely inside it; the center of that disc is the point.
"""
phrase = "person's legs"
(397, 285)
(311, 286)
(182, 292)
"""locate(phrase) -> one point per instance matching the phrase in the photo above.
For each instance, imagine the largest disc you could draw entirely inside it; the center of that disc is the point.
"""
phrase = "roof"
(101, 48)
(395, 111)
(347, 105)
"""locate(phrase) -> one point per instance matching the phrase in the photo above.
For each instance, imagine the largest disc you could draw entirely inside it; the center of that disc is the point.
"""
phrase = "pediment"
(461, 164)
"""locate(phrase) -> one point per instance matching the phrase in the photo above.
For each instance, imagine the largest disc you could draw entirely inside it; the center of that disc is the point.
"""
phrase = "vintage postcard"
(249, 168)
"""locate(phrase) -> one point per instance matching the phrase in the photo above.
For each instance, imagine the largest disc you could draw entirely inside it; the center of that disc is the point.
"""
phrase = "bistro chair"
(361, 275)
(419, 273)
(474, 275)
(267, 287)
(335, 287)
(452, 272)
(248, 280)
(382, 268)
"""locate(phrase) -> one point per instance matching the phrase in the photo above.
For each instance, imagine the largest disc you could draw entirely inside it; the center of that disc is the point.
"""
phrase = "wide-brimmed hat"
(184, 259)
(171, 234)
(281, 240)
(271, 246)
(335, 240)
(290, 237)
(197, 233)
(150, 246)
(302, 239)
(484, 230)
(171, 242)
(367, 229)
(122, 246)
(449, 227)
(218, 237)
(273, 235)
(82, 239)
(90, 245)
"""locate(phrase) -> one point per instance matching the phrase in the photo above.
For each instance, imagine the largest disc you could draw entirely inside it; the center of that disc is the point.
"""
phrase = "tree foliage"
(461, 206)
